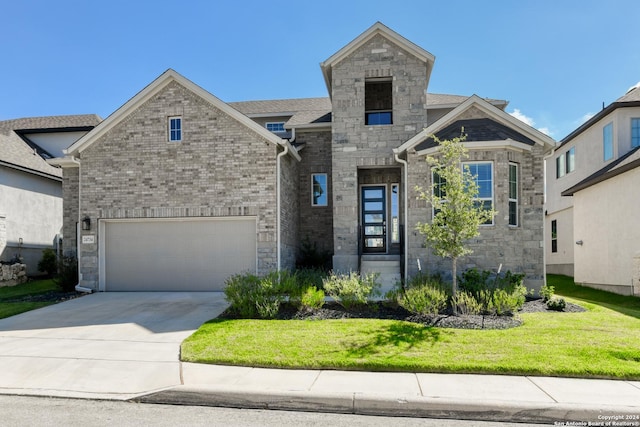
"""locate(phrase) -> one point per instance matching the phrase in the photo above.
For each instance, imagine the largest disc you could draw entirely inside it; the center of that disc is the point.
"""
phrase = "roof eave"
(596, 118)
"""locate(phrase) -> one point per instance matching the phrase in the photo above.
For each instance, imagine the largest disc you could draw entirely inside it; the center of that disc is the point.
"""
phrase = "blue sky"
(556, 61)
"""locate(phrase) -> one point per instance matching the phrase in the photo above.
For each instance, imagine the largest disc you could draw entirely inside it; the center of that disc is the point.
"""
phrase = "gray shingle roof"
(15, 151)
(632, 94)
(435, 99)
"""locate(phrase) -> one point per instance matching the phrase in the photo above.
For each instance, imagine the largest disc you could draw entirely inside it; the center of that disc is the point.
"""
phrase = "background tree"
(457, 213)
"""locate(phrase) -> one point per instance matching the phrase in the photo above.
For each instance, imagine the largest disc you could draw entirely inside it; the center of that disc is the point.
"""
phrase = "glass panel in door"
(374, 224)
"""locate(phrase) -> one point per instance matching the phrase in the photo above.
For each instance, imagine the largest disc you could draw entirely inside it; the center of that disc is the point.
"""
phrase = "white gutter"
(406, 210)
(278, 192)
(78, 240)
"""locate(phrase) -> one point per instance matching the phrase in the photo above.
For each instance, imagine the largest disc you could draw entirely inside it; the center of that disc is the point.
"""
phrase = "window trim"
(279, 124)
(395, 227)
(635, 125)
(566, 162)
(326, 183)
(605, 129)
(171, 130)
(483, 199)
(516, 198)
(554, 236)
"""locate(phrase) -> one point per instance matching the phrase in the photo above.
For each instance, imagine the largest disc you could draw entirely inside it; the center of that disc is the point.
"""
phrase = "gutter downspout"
(278, 192)
(406, 211)
(78, 287)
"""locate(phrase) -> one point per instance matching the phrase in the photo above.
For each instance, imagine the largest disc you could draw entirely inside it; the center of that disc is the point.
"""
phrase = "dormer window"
(378, 102)
(275, 126)
(175, 129)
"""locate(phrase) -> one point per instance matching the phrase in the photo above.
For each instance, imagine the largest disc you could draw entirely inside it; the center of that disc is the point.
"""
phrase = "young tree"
(457, 214)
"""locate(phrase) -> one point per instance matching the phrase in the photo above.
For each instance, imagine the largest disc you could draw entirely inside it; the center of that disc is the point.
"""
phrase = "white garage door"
(176, 255)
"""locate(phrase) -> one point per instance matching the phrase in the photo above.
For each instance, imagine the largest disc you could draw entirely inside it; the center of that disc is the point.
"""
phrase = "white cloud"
(518, 115)
(528, 120)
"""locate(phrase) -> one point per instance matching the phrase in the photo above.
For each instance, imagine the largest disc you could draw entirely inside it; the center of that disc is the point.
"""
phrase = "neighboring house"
(591, 208)
(30, 188)
(177, 190)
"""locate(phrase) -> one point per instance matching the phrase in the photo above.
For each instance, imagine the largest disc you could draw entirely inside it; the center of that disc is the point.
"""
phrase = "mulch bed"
(382, 310)
(50, 296)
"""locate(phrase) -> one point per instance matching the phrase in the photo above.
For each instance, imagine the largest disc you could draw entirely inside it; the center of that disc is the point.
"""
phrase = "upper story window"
(566, 162)
(635, 133)
(175, 129)
(378, 102)
(275, 126)
(607, 141)
(483, 175)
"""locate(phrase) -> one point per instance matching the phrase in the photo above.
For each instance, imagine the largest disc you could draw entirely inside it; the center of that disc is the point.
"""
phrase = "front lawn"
(601, 342)
(12, 298)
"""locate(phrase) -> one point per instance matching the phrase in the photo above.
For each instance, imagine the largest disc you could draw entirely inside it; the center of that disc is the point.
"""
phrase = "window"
(439, 189)
(319, 189)
(566, 162)
(554, 236)
(513, 194)
(483, 176)
(607, 141)
(175, 129)
(395, 218)
(635, 133)
(275, 126)
(378, 102)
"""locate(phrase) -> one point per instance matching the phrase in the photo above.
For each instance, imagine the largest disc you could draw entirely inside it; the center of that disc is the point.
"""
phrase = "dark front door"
(374, 219)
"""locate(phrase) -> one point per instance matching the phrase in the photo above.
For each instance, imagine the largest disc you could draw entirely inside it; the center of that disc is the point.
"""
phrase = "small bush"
(239, 291)
(547, 292)
(504, 302)
(49, 262)
(312, 298)
(426, 299)
(498, 294)
(466, 303)
(67, 277)
(310, 277)
(351, 290)
(557, 304)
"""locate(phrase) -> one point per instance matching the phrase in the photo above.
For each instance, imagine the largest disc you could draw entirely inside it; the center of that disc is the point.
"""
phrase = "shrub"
(312, 298)
(310, 277)
(240, 292)
(49, 262)
(495, 293)
(466, 303)
(67, 277)
(425, 299)
(547, 292)
(557, 304)
(312, 257)
(351, 290)
(504, 302)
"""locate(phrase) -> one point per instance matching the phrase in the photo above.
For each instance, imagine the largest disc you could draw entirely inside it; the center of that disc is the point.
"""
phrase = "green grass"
(602, 342)
(8, 308)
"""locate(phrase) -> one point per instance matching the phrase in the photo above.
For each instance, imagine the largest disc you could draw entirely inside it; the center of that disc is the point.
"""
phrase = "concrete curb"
(381, 405)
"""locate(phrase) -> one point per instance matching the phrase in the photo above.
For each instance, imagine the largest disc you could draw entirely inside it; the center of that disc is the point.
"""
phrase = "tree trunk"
(454, 283)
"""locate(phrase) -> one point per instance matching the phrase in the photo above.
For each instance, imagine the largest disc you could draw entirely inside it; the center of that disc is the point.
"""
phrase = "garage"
(182, 254)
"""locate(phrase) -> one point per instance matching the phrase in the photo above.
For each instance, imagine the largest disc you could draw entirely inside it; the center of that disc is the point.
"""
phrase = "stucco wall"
(220, 168)
(605, 219)
(32, 210)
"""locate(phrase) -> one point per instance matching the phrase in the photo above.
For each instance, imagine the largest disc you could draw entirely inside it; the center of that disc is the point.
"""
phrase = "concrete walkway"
(125, 346)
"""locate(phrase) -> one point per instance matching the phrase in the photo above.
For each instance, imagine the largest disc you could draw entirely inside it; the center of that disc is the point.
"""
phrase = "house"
(30, 188)
(177, 190)
(591, 219)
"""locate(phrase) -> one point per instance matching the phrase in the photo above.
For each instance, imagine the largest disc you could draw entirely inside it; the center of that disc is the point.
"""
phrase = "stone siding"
(12, 275)
(289, 190)
(70, 197)
(356, 145)
(519, 249)
(316, 222)
(220, 168)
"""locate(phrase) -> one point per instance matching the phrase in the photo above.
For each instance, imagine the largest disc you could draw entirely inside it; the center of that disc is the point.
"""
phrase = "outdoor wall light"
(86, 223)
(579, 242)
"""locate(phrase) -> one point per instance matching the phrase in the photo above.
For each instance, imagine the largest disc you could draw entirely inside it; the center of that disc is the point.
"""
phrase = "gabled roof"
(376, 29)
(629, 161)
(155, 87)
(17, 152)
(491, 112)
(629, 99)
(443, 100)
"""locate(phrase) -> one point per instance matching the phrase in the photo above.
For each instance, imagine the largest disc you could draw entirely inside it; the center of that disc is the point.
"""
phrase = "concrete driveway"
(111, 345)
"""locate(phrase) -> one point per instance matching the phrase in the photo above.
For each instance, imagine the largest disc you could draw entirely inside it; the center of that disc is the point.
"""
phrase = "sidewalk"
(477, 397)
